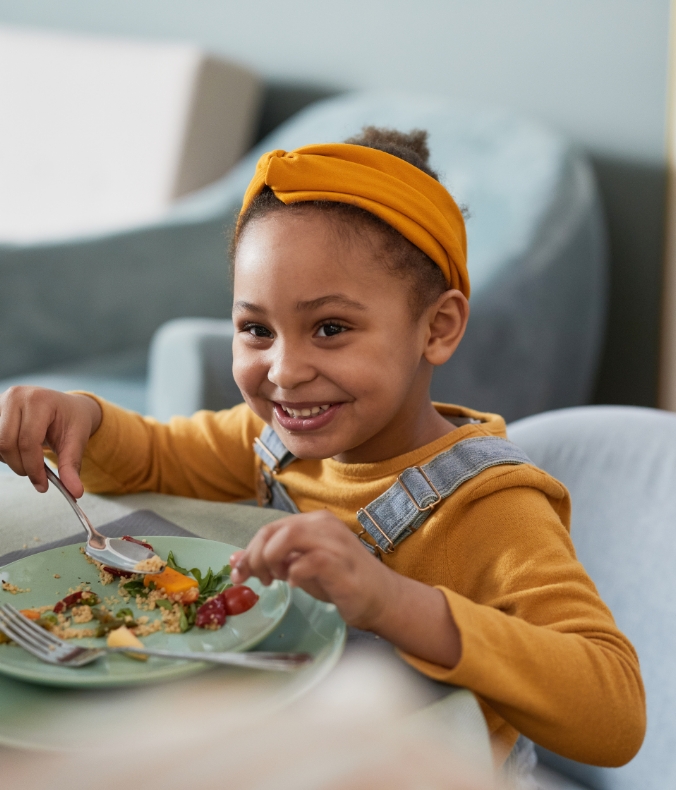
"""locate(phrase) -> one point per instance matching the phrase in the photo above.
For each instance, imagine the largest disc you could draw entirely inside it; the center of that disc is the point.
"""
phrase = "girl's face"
(326, 350)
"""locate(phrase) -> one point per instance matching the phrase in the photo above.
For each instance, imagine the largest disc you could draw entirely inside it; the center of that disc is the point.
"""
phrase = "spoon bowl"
(123, 555)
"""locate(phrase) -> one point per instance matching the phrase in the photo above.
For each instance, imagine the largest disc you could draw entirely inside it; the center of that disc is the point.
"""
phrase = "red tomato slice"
(239, 599)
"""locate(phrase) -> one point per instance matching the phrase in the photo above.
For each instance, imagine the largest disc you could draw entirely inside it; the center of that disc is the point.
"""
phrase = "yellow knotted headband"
(402, 195)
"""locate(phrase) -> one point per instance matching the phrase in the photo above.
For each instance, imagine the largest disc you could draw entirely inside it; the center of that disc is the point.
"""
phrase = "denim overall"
(407, 503)
(402, 509)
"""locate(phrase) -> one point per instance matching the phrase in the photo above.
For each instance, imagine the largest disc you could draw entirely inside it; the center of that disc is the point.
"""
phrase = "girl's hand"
(31, 418)
(319, 554)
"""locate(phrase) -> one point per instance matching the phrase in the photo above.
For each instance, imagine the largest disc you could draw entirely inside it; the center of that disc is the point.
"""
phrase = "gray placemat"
(140, 522)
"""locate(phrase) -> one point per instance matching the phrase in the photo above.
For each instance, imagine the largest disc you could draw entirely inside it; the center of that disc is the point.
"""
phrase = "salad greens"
(209, 584)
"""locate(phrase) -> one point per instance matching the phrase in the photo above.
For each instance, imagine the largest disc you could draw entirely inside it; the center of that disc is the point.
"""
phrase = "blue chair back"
(619, 464)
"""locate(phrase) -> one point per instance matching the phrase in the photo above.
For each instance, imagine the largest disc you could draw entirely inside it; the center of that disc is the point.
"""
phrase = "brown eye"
(330, 329)
(257, 330)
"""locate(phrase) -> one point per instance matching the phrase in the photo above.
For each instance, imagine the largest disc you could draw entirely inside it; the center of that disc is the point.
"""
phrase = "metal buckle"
(274, 466)
(388, 550)
(263, 490)
(429, 483)
(374, 548)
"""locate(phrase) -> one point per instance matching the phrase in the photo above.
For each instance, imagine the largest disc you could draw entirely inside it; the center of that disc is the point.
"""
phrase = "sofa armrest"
(190, 368)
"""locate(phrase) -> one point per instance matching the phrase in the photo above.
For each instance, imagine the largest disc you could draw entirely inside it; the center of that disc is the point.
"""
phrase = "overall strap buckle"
(409, 494)
(270, 460)
(388, 548)
(407, 504)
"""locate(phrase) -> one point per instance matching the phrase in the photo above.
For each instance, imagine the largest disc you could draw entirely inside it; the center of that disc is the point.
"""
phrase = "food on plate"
(152, 565)
(183, 598)
(123, 637)
(13, 589)
(239, 599)
(79, 598)
(234, 600)
(31, 614)
(178, 585)
(212, 614)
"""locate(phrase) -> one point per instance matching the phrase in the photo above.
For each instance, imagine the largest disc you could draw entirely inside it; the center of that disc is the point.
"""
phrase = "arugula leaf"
(124, 613)
(183, 622)
(171, 562)
(136, 587)
(164, 604)
(212, 583)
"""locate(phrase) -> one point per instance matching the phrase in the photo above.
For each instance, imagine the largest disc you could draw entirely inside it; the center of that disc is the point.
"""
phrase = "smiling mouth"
(311, 411)
(303, 417)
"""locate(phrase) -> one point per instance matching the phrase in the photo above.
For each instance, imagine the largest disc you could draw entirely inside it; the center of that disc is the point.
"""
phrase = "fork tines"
(26, 633)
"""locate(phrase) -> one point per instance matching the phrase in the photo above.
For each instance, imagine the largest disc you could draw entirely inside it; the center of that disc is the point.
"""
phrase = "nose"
(289, 366)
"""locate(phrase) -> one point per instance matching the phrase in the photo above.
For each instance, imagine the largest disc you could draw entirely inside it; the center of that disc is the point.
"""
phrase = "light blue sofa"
(537, 261)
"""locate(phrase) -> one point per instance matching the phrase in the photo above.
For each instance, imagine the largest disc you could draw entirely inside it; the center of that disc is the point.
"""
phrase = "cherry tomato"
(239, 599)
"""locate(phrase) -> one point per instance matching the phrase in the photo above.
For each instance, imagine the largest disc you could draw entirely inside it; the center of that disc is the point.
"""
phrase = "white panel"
(90, 132)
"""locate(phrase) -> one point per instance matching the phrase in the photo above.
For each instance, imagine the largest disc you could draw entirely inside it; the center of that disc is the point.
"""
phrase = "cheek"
(247, 369)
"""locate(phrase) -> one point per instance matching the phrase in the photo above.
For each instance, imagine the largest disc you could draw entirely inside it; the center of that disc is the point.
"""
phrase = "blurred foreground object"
(619, 464)
(99, 134)
(354, 731)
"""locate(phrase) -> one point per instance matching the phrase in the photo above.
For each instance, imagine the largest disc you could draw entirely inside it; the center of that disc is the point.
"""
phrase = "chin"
(307, 449)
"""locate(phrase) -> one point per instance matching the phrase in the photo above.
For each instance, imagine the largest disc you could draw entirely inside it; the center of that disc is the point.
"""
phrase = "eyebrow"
(337, 299)
(312, 304)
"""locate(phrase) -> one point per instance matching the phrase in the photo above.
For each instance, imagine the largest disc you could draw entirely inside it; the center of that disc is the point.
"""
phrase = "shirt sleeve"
(539, 646)
(207, 456)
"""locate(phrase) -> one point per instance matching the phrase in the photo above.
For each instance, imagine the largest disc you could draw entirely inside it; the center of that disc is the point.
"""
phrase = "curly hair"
(400, 256)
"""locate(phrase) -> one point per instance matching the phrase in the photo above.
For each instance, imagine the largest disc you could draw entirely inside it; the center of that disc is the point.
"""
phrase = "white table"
(28, 518)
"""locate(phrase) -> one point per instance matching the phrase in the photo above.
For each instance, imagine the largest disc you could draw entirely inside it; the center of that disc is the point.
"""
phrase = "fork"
(49, 648)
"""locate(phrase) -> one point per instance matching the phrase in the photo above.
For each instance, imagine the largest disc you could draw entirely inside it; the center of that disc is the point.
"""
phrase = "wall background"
(595, 69)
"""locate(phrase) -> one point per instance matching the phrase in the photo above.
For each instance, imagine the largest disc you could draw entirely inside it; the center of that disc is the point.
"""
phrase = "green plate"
(41, 717)
(37, 572)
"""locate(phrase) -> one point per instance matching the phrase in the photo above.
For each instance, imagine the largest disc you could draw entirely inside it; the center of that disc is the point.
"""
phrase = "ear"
(447, 319)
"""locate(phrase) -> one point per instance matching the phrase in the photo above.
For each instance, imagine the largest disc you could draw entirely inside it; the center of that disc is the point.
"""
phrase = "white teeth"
(312, 412)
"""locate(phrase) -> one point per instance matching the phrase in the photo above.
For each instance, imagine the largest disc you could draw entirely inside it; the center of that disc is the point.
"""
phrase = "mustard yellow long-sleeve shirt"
(539, 647)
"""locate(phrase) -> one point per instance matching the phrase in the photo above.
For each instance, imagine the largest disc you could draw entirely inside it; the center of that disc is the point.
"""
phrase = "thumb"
(70, 463)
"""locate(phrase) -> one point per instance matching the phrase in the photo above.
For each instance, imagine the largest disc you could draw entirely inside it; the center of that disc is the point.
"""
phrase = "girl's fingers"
(10, 423)
(300, 535)
(32, 432)
(70, 454)
(240, 567)
(255, 562)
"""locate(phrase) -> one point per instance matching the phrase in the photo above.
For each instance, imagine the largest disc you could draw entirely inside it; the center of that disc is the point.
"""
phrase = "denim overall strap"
(269, 448)
(271, 493)
(406, 504)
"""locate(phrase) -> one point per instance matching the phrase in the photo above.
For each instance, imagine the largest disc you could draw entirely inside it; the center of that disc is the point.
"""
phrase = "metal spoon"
(113, 552)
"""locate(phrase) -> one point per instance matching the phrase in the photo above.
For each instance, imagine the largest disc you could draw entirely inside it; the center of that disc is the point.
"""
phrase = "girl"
(419, 521)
